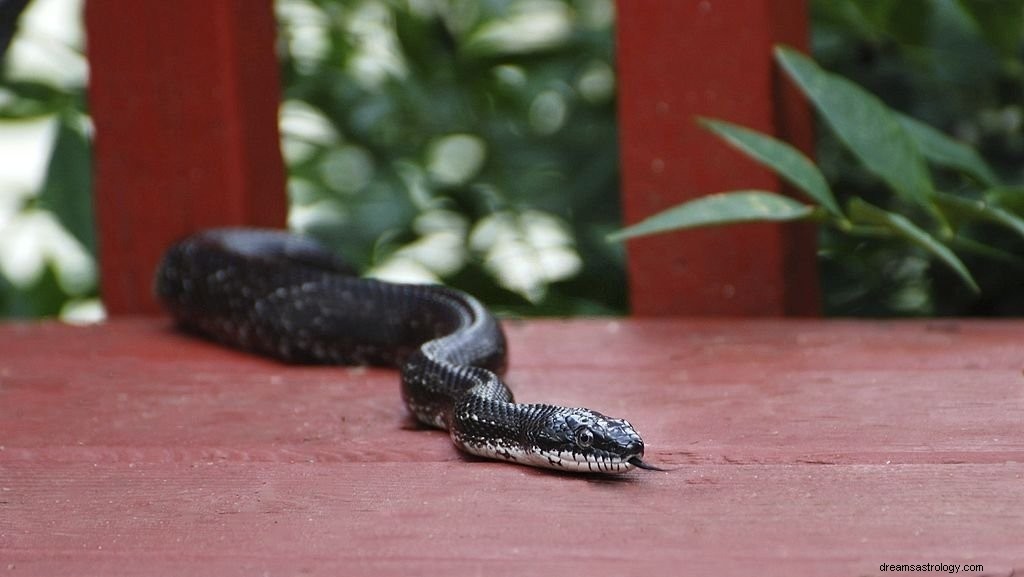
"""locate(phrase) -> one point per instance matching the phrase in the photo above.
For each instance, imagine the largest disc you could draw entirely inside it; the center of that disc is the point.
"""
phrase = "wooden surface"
(804, 448)
(184, 97)
(687, 58)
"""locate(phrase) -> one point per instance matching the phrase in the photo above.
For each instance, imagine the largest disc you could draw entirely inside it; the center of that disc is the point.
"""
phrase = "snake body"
(288, 297)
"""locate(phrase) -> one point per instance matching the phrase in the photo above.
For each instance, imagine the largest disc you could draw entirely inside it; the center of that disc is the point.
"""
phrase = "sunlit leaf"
(787, 161)
(866, 126)
(718, 209)
(861, 211)
(949, 152)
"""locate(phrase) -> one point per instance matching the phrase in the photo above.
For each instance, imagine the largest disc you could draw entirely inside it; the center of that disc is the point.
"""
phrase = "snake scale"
(286, 296)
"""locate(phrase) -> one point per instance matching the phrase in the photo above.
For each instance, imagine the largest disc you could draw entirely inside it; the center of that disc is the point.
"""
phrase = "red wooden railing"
(677, 60)
(184, 96)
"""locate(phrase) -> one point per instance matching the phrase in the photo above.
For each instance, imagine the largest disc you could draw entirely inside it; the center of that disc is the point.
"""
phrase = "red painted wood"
(687, 58)
(805, 448)
(184, 97)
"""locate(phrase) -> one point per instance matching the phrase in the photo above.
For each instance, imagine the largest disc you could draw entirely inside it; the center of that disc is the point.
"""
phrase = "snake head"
(577, 439)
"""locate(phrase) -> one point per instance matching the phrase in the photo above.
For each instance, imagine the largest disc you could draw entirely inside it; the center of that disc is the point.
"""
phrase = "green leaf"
(67, 190)
(946, 151)
(1007, 197)
(787, 161)
(866, 126)
(1000, 21)
(44, 298)
(968, 209)
(869, 214)
(21, 99)
(972, 246)
(718, 209)
(907, 21)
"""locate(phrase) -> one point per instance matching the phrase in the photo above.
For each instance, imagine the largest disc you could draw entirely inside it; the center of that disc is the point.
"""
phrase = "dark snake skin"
(285, 296)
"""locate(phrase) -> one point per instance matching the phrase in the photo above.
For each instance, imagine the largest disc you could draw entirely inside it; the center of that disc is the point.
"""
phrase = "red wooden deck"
(803, 447)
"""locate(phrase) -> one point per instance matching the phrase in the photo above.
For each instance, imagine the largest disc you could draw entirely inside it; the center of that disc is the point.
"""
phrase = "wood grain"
(803, 448)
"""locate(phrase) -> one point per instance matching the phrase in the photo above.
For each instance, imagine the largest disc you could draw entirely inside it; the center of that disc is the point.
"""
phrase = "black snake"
(286, 296)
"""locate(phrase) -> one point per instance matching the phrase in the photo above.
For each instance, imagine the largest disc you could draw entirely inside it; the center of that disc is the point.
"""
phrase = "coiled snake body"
(286, 296)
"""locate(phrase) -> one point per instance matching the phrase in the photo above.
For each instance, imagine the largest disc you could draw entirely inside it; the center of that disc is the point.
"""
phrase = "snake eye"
(584, 437)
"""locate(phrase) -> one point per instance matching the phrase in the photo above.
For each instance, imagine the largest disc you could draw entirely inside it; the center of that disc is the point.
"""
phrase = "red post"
(678, 60)
(184, 97)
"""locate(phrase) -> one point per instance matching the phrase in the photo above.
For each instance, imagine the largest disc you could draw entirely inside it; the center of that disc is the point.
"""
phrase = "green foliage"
(901, 226)
(864, 125)
(471, 142)
(892, 147)
(47, 234)
(942, 67)
(779, 156)
(474, 142)
(67, 188)
(1001, 22)
(943, 151)
(719, 209)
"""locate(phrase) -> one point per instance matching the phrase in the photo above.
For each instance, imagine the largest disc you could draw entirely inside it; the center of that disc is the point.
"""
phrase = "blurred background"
(473, 142)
